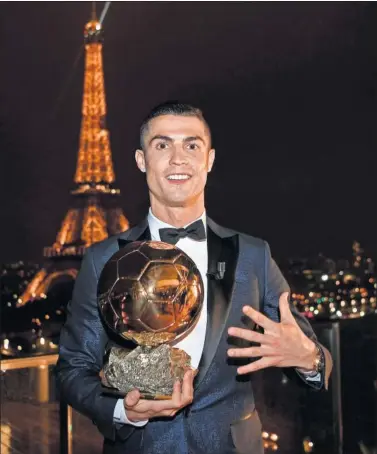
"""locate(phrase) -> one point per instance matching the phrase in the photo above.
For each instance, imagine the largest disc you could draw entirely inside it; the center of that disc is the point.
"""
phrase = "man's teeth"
(178, 177)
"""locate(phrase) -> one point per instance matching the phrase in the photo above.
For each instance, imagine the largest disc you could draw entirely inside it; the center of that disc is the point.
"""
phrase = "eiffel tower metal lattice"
(94, 213)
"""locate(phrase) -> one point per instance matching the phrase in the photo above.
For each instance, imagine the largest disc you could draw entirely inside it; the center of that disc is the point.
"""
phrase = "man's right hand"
(141, 409)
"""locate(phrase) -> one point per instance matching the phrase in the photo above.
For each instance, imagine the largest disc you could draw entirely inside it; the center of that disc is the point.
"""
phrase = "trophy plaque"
(150, 293)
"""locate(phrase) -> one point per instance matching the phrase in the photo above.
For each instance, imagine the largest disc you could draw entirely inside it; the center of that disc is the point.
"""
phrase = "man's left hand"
(281, 345)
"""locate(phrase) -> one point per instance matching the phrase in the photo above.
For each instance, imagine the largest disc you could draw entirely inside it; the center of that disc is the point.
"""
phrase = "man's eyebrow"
(160, 137)
(170, 139)
(191, 138)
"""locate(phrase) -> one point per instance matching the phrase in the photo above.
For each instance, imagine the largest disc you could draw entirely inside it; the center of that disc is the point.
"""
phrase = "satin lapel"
(218, 295)
(140, 232)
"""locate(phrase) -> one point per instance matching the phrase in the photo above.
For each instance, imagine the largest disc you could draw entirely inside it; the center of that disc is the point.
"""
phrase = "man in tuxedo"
(214, 411)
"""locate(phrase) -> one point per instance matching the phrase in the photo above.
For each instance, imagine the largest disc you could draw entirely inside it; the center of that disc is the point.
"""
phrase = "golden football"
(150, 292)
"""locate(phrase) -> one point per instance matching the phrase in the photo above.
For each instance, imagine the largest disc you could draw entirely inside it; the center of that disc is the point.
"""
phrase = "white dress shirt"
(193, 343)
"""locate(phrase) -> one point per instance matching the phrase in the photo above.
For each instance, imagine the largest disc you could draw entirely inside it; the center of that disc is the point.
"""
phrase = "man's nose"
(178, 156)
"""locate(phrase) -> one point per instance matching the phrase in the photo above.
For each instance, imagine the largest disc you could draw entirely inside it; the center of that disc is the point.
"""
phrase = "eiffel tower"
(94, 213)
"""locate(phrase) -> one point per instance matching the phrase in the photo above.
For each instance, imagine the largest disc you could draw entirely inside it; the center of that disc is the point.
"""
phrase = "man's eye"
(192, 146)
(162, 146)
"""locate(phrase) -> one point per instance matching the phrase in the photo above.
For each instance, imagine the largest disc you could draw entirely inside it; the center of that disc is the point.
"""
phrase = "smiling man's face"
(177, 157)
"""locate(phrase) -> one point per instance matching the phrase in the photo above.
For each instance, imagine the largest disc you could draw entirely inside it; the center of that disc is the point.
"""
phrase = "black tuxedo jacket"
(222, 418)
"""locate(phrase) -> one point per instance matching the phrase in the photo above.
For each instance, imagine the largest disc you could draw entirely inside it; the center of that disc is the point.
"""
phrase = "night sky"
(289, 90)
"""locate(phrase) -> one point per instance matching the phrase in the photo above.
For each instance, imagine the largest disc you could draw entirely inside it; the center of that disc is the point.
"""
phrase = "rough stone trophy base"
(152, 370)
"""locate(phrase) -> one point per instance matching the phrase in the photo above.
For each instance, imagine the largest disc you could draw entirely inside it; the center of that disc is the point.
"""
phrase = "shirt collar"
(156, 224)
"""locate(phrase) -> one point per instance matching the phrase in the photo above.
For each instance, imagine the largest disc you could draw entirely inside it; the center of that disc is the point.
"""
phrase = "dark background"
(289, 90)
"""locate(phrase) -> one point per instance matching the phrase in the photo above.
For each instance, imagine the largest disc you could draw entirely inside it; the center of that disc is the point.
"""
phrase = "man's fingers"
(183, 392)
(168, 413)
(145, 409)
(285, 310)
(259, 318)
(250, 352)
(262, 363)
(176, 397)
(187, 387)
(249, 335)
(132, 398)
(182, 395)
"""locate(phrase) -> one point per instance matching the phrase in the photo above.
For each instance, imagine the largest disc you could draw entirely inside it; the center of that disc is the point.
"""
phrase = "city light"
(269, 441)
(308, 445)
(336, 295)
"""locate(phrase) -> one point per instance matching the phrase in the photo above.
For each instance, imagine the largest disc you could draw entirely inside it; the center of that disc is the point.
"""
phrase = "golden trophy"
(150, 293)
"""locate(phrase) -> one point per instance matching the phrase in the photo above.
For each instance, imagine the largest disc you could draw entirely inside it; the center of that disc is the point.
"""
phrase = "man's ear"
(211, 158)
(140, 159)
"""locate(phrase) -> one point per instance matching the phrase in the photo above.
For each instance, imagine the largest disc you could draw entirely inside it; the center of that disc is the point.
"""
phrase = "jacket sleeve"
(275, 285)
(82, 346)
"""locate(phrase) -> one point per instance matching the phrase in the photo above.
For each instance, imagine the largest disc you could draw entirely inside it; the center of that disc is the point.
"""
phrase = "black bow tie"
(196, 231)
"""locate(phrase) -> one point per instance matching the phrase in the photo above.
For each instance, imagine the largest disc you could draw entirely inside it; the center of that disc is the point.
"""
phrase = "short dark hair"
(172, 108)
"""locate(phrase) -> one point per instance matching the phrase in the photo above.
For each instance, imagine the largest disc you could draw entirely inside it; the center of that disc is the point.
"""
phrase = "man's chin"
(181, 202)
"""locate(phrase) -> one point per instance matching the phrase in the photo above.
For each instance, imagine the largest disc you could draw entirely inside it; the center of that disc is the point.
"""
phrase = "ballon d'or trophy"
(150, 293)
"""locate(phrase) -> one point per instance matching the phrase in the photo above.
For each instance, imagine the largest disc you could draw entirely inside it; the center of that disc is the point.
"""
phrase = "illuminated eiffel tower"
(94, 213)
